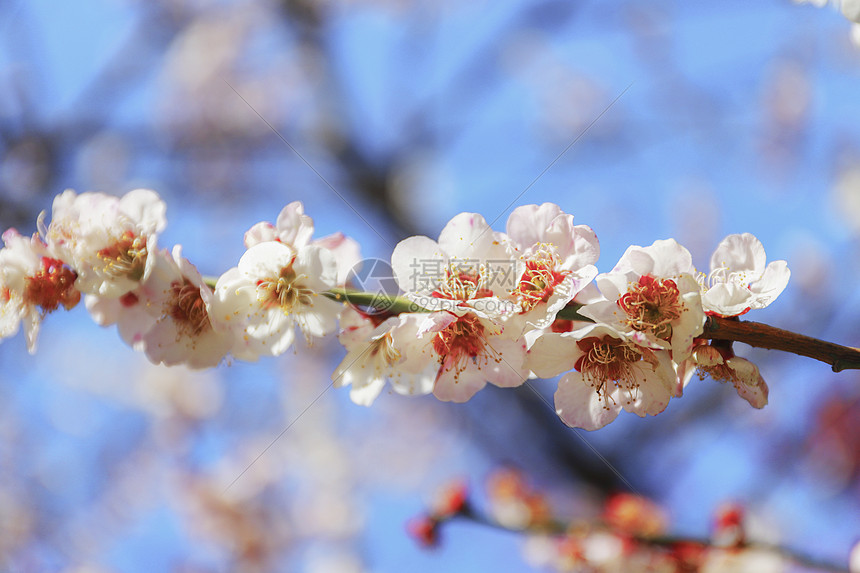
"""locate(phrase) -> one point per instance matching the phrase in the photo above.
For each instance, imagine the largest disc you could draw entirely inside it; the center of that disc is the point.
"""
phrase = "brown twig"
(766, 336)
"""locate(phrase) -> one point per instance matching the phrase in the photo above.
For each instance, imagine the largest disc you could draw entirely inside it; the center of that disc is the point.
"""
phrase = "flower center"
(607, 359)
(52, 286)
(187, 308)
(126, 257)
(284, 292)
(462, 284)
(652, 305)
(540, 277)
(460, 341)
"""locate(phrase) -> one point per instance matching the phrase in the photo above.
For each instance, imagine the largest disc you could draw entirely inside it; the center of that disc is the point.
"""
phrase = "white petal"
(740, 253)
(466, 236)
(317, 268)
(146, 209)
(266, 260)
(418, 264)
(454, 386)
(509, 371)
(579, 406)
(727, 299)
(552, 354)
(771, 284)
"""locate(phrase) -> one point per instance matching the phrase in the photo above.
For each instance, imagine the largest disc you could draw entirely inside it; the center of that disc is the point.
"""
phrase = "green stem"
(382, 302)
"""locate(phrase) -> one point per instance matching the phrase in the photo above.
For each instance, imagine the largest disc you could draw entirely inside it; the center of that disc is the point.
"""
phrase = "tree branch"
(766, 336)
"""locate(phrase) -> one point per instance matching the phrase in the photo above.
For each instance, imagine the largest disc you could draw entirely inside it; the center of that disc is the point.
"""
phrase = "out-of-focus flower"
(375, 353)
(295, 229)
(185, 331)
(514, 503)
(721, 364)
(32, 284)
(635, 515)
(275, 288)
(611, 372)
(739, 281)
(729, 525)
(105, 239)
(653, 297)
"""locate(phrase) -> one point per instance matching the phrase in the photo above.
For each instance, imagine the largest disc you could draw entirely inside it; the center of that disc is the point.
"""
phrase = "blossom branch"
(716, 328)
(669, 542)
(766, 336)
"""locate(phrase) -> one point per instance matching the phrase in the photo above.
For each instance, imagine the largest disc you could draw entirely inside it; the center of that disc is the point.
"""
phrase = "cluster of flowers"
(630, 532)
(488, 306)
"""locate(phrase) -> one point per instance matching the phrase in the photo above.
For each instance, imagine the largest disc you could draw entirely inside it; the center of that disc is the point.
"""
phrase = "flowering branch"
(672, 543)
(630, 534)
(716, 328)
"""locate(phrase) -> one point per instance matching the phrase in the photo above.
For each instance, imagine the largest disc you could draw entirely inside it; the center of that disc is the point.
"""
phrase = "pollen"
(607, 360)
(463, 283)
(540, 277)
(126, 257)
(187, 308)
(461, 342)
(652, 305)
(284, 291)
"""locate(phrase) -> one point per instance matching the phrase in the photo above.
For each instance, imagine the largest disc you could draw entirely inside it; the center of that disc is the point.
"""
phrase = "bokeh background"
(687, 119)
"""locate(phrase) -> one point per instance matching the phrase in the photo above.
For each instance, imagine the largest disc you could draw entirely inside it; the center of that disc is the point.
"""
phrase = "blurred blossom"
(787, 101)
(847, 196)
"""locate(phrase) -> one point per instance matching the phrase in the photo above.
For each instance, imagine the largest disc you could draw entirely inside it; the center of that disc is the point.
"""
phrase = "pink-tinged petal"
(527, 224)
(749, 383)
(509, 371)
(552, 354)
(294, 227)
(418, 264)
(435, 322)
(739, 253)
(458, 386)
(586, 249)
(262, 232)
(466, 236)
(771, 284)
(670, 258)
(579, 406)
(355, 328)
(346, 251)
